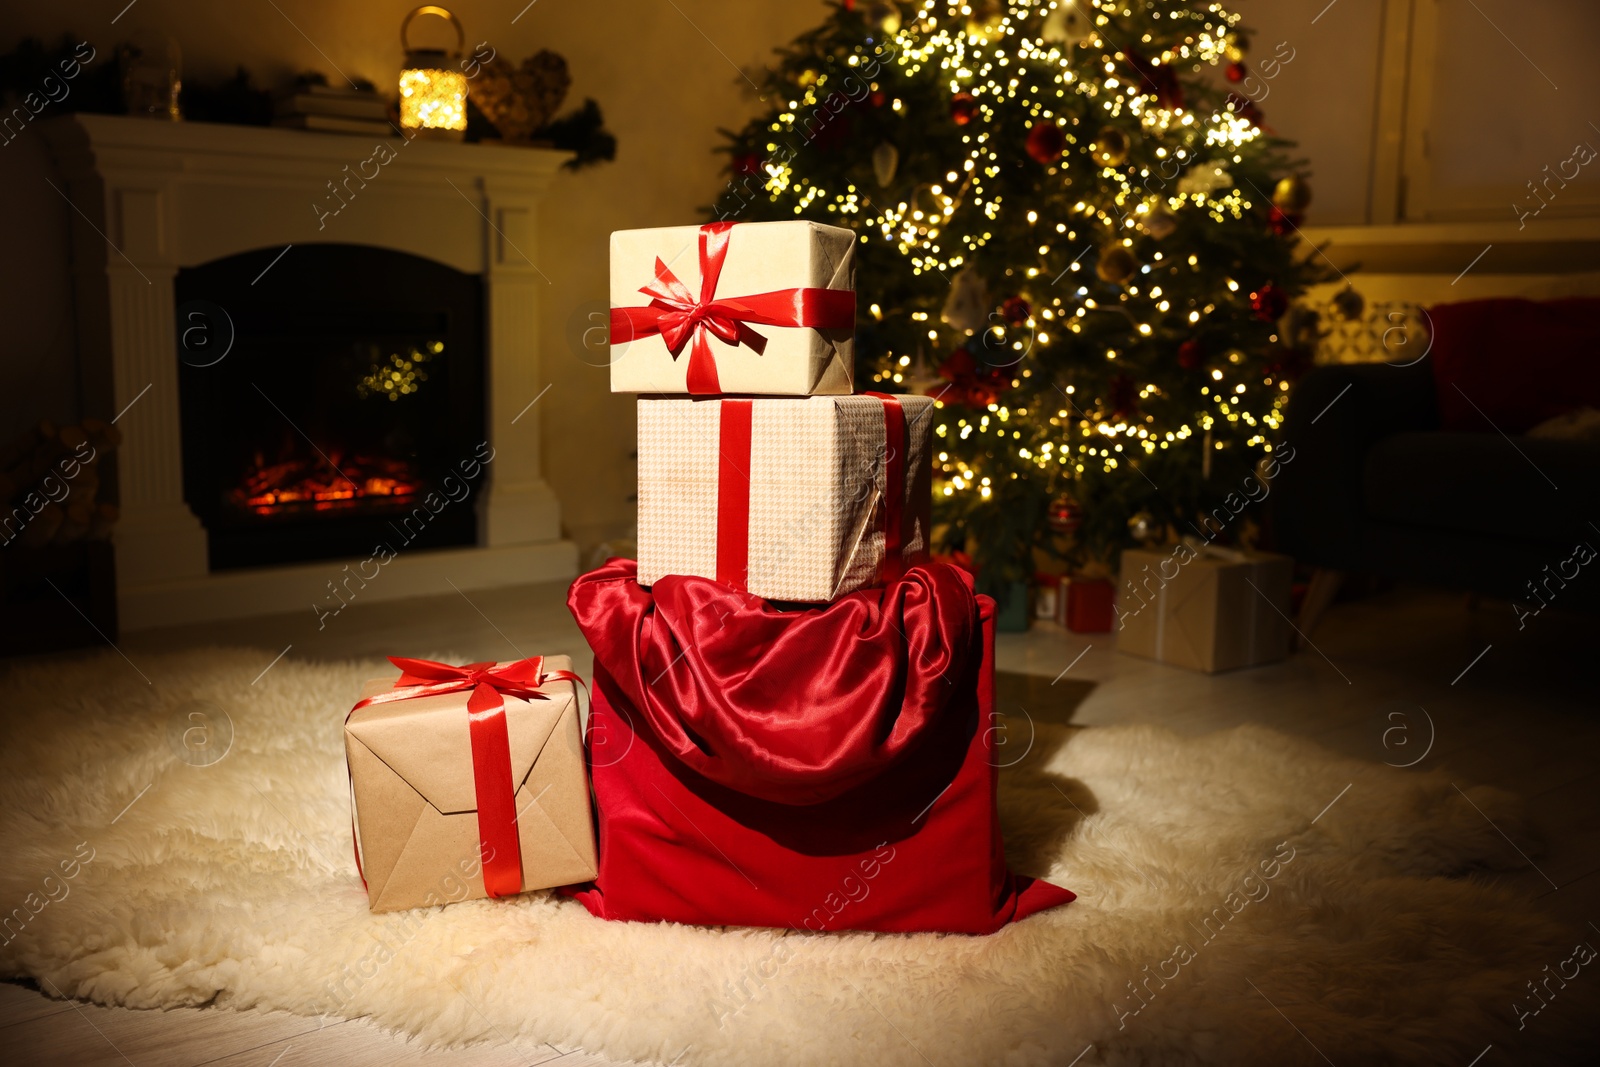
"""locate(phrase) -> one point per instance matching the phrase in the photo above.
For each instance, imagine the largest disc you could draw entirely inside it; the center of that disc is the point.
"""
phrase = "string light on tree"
(1066, 242)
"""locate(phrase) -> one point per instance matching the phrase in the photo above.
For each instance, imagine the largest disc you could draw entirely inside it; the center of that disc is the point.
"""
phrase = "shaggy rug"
(1243, 898)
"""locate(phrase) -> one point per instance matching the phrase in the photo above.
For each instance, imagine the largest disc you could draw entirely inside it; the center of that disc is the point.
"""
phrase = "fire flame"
(318, 484)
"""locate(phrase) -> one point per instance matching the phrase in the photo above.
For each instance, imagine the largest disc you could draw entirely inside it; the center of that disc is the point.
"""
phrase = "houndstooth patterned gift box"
(817, 473)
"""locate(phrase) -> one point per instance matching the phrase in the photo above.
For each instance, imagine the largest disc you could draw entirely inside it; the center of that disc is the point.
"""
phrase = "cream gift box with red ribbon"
(469, 782)
(765, 308)
(795, 498)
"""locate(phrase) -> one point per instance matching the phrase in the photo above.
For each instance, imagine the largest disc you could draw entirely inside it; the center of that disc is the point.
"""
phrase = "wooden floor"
(1405, 677)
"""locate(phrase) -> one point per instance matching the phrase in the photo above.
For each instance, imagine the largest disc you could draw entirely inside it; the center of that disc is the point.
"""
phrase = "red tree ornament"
(1064, 515)
(1191, 354)
(1245, 108)
(1123, 397)
(962, 107)
(1015, 310)
(975, 384)
(1282, 222)
(1046, 142)
(1269, 303)
(747, 163)
(1235, 72)
(1161, 79)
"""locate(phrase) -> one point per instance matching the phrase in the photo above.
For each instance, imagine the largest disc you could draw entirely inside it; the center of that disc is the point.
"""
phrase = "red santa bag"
(824, 769)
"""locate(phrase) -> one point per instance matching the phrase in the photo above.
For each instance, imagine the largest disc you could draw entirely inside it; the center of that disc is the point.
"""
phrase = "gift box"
(833, 769)
(763, 307)
(798, 499)
(1087, 605)
(1012, 614)
(1204, 607)
(469, 782)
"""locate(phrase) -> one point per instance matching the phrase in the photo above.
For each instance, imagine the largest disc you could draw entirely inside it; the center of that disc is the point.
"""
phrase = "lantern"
(433, 91)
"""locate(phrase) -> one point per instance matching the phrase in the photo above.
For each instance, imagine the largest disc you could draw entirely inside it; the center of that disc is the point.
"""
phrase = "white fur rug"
(232, 884)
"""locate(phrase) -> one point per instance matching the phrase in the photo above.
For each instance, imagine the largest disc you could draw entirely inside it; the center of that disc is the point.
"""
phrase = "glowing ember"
(340, 481)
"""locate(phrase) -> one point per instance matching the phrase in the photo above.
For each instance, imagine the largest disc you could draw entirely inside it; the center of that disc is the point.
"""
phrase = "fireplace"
(350, 397)
(247, 483)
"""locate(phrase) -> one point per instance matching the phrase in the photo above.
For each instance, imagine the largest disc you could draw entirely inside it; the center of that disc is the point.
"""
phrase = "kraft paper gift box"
(760, 307)
(1204, 607)
(416, 799)
(799, 499)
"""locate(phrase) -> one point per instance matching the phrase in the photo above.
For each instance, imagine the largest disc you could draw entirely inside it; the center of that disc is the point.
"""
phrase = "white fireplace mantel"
(153, 197)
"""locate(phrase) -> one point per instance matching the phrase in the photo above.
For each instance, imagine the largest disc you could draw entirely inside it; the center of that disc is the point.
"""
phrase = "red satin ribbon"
(487, 686)
(733, 494)
(895, 445)
(733, 491)
(680, 319)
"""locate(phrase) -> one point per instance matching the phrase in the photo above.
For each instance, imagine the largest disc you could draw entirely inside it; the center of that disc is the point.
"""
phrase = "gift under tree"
(1079, 239)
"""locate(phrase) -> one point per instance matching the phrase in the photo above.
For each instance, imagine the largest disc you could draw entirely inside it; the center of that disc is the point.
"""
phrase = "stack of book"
(335, 110)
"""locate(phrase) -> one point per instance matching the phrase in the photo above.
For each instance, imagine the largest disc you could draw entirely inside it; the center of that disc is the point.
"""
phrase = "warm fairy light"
(1181, 168)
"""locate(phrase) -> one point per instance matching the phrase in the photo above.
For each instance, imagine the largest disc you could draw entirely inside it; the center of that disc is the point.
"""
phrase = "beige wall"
(664, 85)
(1423, 111)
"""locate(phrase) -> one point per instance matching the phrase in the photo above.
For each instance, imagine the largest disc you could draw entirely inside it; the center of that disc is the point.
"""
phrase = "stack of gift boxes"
(792, 717)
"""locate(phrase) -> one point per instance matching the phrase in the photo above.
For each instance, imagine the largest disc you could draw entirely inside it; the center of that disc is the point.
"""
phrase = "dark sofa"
(1422, 471)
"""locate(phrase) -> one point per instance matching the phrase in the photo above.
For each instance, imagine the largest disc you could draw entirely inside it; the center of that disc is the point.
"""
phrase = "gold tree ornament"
(884, 18)
(986, 19)
(1292, 195)
(433, 90)
(1110, 147)
(1116, 265)
(1158, 222)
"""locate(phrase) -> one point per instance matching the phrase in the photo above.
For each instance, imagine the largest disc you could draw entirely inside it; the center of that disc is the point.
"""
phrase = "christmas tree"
(1073, 234)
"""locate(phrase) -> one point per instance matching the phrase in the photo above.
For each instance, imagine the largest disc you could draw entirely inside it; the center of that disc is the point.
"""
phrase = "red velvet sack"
(826, 769)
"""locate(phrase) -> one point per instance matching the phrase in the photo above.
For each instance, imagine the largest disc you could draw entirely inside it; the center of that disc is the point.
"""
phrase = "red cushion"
(1510, 364)
(709, 811)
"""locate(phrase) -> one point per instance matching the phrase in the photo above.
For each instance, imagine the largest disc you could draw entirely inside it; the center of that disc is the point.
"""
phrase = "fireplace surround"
(157, 202)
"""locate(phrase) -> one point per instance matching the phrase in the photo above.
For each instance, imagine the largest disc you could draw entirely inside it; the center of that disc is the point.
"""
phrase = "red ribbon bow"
(681, 319)
(501, 850)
